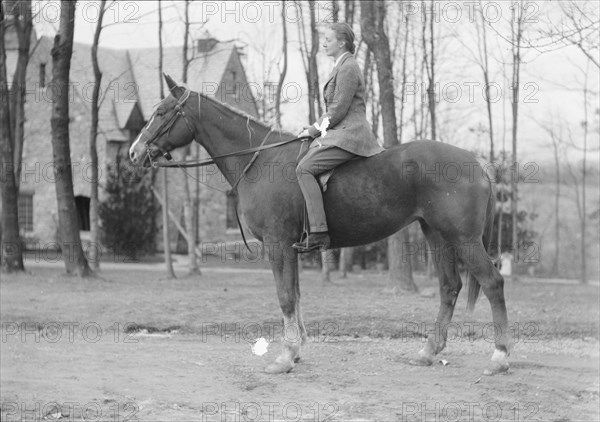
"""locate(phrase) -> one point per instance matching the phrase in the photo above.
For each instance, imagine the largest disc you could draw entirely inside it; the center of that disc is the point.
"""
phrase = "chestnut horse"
(442, 187)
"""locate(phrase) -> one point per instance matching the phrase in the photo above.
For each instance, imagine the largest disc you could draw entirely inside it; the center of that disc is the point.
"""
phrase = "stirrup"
(303, 245)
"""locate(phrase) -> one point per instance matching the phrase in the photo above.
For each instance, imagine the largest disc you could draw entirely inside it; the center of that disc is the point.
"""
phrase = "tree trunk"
(372, 26)
(349, 12)
(72, 252)
(94, 225)
(313, 71)
(11, 254)
(188, 208)
(403, 82)
(516, 55)
(584, 183)
(429, 60)
(327, 257)
(284, 71)
(335, 10)
(555, 261)
(485, 68)
(165, 195)
(23, 21)
(346, 259)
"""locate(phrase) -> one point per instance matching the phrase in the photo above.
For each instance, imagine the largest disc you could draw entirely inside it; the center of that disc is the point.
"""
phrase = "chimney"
(204, 45)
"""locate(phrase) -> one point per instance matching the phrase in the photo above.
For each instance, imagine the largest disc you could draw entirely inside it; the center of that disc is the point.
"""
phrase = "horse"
(441, 186)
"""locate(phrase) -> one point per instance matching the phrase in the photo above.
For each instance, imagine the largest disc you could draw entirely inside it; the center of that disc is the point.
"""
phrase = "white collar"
(340, 58)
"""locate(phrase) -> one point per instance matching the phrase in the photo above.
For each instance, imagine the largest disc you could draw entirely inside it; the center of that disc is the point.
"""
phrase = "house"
(130, 90)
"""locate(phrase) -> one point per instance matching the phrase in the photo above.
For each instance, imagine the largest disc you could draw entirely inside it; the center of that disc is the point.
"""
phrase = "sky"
(551, 80)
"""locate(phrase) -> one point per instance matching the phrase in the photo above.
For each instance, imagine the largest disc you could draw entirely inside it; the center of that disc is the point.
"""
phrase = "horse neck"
(224, 134)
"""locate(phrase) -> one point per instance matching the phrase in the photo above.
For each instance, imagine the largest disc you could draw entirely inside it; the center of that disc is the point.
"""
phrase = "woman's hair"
(344, 32)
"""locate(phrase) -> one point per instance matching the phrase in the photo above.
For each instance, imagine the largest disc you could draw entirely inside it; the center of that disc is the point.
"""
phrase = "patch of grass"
(360, 305)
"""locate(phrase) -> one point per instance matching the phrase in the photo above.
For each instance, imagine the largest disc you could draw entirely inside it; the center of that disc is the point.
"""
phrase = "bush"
(128, 213)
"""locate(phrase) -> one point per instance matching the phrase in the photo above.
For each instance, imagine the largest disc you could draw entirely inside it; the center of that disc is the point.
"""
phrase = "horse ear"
(170, 82)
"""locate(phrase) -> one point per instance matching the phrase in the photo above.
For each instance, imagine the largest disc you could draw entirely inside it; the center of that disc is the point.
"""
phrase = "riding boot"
(319, 240)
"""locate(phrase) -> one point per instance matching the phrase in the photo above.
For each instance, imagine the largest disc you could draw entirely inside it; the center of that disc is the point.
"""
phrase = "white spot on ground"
(260, 347)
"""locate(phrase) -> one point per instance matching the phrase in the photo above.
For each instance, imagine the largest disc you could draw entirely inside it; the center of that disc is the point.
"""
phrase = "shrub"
(128, 213)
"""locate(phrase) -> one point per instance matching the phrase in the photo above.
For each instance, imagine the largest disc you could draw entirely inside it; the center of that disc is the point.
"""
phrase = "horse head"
(168, 128)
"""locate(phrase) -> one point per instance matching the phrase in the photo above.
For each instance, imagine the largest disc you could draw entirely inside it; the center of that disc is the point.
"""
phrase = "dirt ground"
(133, 346)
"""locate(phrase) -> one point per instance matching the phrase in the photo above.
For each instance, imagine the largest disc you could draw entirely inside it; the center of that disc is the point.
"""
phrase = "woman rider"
(341, 133)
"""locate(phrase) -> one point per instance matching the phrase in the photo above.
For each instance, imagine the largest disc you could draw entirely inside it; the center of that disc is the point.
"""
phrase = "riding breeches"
(316, 161)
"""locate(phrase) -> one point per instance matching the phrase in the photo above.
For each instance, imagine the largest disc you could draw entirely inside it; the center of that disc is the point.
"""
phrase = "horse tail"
(472, 283)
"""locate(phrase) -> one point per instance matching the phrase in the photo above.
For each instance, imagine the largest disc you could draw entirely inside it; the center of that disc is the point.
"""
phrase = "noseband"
(166, 126)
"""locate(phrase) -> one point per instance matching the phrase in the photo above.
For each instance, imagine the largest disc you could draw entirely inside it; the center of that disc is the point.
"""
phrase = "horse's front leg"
(284, 263)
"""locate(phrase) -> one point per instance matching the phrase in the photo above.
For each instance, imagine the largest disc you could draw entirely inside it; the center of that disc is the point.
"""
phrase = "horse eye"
(160, 111)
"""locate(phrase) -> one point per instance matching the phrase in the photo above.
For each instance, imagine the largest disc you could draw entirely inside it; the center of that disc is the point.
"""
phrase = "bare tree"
(556, 137)
(313, 81)
(309, 59)
(347, 254)
(188, 208)
(581, 198)
(285, 64)
(72, 251)
(373, 31)
(577, 178)
(429, 61)
(349, 7)
(585, 125)
(165, 195)
(577, 25)
(517, 28)
(335, 11)
(11, 254)
(403, 75)
(23, 23)
(95, 108)
(484, 65)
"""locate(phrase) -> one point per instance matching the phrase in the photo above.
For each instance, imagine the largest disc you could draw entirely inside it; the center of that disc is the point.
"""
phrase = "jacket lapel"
(335, 70)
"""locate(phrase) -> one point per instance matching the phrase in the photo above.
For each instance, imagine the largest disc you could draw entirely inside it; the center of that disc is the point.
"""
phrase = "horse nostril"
(132, 156)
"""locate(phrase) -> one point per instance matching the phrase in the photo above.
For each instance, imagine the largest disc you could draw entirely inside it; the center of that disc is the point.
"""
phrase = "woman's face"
(332, 46)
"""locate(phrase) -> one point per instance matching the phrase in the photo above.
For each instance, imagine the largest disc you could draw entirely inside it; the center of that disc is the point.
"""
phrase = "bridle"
(166, 126)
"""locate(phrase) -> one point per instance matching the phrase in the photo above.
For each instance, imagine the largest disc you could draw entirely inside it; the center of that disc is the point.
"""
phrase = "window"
(25, 204)
(42, 75)
(231, 204)
(83, 212)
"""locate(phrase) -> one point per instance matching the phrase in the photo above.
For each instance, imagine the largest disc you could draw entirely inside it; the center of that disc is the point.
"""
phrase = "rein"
(179, 112)
(208, 161)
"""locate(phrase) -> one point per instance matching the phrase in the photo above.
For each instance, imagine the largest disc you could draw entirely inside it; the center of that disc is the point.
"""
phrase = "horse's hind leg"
(444, 258)
(491, 281)
(284, 263)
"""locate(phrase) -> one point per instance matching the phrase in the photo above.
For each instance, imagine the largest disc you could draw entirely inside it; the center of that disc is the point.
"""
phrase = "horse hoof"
(421, 361)
(297, 359)
(496, 368)
(279, 368)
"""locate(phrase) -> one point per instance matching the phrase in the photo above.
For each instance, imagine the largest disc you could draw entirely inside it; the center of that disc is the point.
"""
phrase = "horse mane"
(239, 113)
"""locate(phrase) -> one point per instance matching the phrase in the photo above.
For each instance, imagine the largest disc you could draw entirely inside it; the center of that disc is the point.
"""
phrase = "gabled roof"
(205, 70)
(131, 77)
